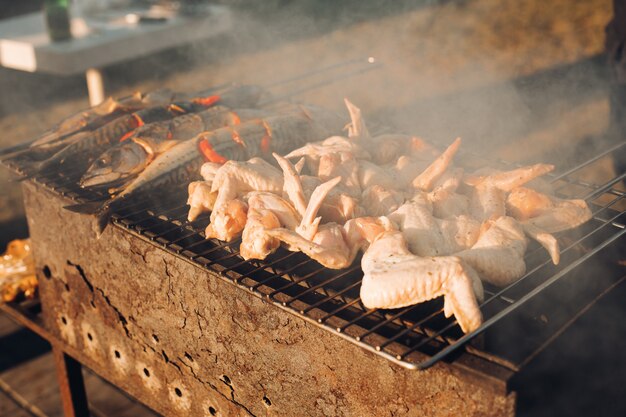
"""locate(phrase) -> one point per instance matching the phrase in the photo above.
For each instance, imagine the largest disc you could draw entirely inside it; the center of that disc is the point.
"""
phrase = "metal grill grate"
(415, 337)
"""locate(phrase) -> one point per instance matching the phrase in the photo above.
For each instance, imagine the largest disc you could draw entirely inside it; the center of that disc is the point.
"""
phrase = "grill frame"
(141, 220)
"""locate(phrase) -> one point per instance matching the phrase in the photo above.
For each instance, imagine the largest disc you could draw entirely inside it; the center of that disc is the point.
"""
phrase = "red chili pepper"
(207, 101)
(137, 122)
(209, 153)
(266, 141)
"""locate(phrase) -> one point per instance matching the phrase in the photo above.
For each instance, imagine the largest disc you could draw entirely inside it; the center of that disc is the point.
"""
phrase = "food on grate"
(230, 96)
(232, 181)
(125, 160)
(541, 215)
(90, 124)
(266, 211)
(393, 277)
(498, 254)
(331, 244)
(95, 117)
(434, 230)
(257, 137)
(17, 272)
(489, 191)
(74, 149)
(427, 235)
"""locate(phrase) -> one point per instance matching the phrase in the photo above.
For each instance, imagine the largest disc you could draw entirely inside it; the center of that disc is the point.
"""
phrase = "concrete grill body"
(186, 341)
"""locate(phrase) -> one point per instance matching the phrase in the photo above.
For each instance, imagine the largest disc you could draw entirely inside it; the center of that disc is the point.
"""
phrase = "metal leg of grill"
(95, 86)
(71, 384)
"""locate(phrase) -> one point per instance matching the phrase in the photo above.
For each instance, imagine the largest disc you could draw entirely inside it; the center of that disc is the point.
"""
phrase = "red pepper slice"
(209, 153)
(266, 141)
(136, 122)
(207, 101)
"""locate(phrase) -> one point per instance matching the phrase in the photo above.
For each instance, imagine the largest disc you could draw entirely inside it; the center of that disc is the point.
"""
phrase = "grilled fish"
(124, 161)
(94, 117)
(89, 120)
(82, 144)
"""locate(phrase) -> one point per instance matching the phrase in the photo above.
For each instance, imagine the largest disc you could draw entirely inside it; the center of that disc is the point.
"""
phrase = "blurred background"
(522, 81)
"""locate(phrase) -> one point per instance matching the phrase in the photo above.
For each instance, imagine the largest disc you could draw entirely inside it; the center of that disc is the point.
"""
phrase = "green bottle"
(57, 19)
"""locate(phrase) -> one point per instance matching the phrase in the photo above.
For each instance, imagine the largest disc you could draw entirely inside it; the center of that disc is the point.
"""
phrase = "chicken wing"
(201, 199)
(328, 244)
(343, 165)
(394, 277)
(380, 201)
(444, 198)
(498, 254)
(312, 152)
(550, 214)
(489, 196)
(541, 215)
(337, 207)
(427, 178)
(231, 182)
(266, 211)
(208, 171)
(228, 222)
(417, 223)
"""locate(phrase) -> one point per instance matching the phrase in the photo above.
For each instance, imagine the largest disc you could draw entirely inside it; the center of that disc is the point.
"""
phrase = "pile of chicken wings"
(427, 228)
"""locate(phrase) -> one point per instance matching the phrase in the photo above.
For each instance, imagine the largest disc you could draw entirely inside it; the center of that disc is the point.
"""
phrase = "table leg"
(95, 86)
(71, 384)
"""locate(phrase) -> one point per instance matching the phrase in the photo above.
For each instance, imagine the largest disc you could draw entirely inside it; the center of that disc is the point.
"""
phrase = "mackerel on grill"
(259, 137)
(78, 127)
(125, 160)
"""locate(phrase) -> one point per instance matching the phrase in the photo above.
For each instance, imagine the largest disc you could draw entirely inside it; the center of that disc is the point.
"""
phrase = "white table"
(25, 44)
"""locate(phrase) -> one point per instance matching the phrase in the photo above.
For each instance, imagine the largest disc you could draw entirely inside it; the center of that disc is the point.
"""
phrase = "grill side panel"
(186, 342)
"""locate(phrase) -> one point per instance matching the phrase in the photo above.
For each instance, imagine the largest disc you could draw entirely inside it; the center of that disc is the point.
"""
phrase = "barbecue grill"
(190, 328)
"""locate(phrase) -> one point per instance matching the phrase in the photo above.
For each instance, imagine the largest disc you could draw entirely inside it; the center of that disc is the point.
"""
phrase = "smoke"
(497, 74)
